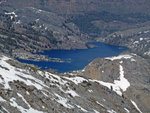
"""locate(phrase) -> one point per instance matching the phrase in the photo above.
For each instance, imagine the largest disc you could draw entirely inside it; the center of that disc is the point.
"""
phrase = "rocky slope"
(137, 40)
(78, 6)
(111, 85)
(52, 24)
(97, 18)
(128, 75)
(31, 30)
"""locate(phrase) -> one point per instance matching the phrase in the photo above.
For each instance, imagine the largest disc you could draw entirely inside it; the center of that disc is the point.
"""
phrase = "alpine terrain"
(115, 84)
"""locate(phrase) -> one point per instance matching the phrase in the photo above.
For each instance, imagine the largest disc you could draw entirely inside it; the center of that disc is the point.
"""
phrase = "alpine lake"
(70, 60)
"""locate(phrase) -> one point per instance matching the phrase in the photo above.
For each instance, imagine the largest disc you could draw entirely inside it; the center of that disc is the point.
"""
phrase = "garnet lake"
(76, 59)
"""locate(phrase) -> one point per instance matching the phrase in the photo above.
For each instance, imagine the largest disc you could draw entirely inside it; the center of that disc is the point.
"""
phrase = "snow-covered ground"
(10, 73)
(119, 85)
(135, 105)
(119, 57)
(21, 109)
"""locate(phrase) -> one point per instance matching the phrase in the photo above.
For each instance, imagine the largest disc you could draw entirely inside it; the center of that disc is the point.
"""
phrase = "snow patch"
(18, 22)
(1, 99)
(83, 70)
(13, 74)
(5, 110)
(95, 111)
(37, 20)
(146, 31)
(39, 11)
(141, 39)
(111, 111)
(27, 93)
(63, 101)
(72, 93)
(99, 104)
(121, 62)
(136, 42)
(30, 110)
(45, 94)
(55, 78)
(119, 85)
(136, 106)
(119, 57)
(75, 80)
(133, 60)
(90, 91)
(21, 109)
(84, 110)
(147, 53)
(127, 111)
(12, 14)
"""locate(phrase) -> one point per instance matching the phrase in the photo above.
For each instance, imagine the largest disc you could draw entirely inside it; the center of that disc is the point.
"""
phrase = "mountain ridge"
(118, 84)
(77, 6)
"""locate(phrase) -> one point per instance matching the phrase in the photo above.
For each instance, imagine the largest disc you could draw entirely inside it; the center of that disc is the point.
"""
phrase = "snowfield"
(119, 57)
(118, 86)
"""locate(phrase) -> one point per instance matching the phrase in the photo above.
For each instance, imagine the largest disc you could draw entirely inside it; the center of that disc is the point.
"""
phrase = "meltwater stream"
(76, 59)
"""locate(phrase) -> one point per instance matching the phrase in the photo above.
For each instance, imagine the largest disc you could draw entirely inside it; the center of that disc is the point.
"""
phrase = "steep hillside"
(119, 84)
(137, 39)
(74, 18)
(128, 75)
(95, 17)
(111, 85)
(34, 30)
(81, 6)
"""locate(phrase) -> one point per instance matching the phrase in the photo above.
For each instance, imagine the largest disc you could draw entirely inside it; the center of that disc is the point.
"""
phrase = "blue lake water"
(79, 58)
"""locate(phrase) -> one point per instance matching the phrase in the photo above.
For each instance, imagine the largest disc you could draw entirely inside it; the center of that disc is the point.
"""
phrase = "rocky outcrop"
(128, 75)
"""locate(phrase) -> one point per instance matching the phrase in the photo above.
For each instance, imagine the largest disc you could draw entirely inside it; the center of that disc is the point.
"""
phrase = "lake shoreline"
(78, 59)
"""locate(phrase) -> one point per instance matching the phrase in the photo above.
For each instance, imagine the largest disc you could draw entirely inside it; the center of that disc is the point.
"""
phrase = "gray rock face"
(23, 88)
(129, 74)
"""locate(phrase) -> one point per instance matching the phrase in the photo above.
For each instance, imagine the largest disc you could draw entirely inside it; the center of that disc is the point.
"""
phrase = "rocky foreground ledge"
(111, 85)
